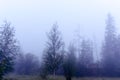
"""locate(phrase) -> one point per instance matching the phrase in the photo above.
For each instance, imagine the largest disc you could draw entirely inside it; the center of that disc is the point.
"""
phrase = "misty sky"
(33, 18)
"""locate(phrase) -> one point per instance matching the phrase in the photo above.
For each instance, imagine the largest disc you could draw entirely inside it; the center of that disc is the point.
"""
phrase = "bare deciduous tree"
(54, 51)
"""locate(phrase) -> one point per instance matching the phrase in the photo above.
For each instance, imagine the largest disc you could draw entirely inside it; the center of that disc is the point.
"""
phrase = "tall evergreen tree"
(109, 52)
(8, 48)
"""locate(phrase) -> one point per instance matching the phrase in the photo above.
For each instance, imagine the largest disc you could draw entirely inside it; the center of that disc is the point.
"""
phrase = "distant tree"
(85, 57)
(19, 64)
(117, 55)
(8, 48)
(69, 64)
(109, 54)
(53, 54)
(118, 44)
(117, 50)
(27, 64)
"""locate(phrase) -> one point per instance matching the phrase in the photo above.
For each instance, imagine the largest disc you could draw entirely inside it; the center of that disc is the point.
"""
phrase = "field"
(53, 78)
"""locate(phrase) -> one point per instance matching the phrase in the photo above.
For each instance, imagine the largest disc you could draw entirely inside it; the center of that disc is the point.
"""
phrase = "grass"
(53, 78)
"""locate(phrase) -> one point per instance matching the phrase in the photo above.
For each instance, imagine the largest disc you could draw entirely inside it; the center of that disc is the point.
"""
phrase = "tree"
(2, 64)
(69, 64)
(27, 64)
(53, 54)
(117, 51)
(19, 64)
(85, 57)
(109, 54)
(8, 48)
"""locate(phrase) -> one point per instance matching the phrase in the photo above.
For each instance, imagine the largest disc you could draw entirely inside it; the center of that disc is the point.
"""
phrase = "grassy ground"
(53, 78)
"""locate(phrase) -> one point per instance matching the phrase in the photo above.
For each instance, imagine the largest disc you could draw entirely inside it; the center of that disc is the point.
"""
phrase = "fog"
(33, 18)
(59, 39)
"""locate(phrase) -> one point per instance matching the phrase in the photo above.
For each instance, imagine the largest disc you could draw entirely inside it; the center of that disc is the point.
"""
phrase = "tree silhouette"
(8, 47)
(69, 64)
(53, 54)
(109, 54)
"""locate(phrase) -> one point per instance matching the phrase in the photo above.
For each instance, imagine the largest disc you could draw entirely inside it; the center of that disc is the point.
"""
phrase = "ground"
(53, 78)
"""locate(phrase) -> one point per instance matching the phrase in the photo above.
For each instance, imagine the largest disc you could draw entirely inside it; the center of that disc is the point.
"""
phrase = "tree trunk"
(68, 78)
(54, 74)
(1, 77)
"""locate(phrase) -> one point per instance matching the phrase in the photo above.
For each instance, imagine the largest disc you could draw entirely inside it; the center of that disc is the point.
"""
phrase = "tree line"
(70, 62)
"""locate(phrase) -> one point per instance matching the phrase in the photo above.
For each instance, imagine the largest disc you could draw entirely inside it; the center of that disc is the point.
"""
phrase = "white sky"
(33, 18)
